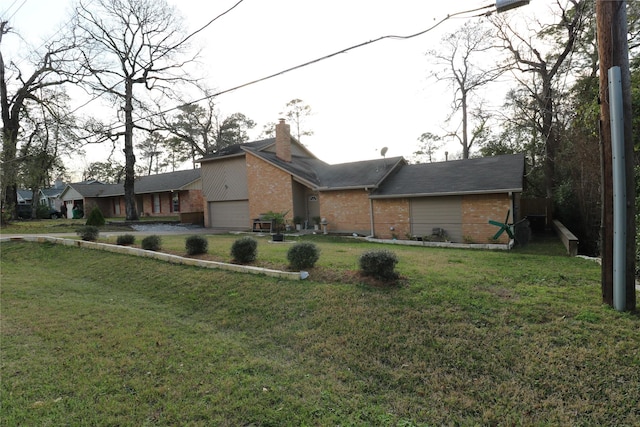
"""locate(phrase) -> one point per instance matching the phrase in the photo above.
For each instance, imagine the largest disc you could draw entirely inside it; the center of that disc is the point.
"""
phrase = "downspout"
(370, 213)
(512, 195)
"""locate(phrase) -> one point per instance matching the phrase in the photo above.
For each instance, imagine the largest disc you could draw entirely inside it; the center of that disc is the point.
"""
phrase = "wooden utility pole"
(613, 50)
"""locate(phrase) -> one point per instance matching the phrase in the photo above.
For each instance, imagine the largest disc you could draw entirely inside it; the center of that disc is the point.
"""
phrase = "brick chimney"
(283, 141)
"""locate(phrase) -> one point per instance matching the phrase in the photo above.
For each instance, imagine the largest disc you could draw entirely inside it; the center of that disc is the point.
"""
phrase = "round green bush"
(303, 255)
(126, 239)
(151, 243)
(379, 264)
(88, 232)
(196, 245)
(95, 217)
(244, 250)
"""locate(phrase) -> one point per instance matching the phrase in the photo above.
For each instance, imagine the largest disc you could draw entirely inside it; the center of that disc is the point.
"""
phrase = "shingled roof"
(238, 149)
(387, 177)
(95, 189)
(470, 176)
(322, 176)
(170, 181)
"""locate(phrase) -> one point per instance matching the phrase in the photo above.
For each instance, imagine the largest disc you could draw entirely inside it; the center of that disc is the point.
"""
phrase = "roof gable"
(325, 177)
(263, 145)
(362, 174)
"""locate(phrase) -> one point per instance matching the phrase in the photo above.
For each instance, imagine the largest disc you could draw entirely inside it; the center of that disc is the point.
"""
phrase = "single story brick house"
(174, 193)
(385, 198)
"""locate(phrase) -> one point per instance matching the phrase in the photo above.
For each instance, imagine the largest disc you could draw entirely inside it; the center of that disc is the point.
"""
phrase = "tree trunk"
(35, 201)
(551, 143)
(130, 158)
(465, 127)
(10, 129)
(9, 170)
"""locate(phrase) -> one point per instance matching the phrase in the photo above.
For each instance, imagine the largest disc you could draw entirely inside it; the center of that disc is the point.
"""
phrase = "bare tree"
(543, 55)
(24, 83)
(465, 68)
(132, 44)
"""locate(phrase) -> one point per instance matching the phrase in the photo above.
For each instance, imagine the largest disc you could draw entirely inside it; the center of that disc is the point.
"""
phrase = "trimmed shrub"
(88, 232)
(379, 264)
(151, 243)
(196, 245)
(43, 212)
(244, 250)
(126, 239)
(95, 217)
(303, 255)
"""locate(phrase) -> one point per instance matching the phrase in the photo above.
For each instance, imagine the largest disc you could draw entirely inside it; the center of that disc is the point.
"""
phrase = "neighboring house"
(385, 197)
(24, 196)
(51, 196)
(175, 193)
(45, 197)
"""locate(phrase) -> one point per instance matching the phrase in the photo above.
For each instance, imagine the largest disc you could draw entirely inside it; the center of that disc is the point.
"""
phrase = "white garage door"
(428, 213)
(230, 214)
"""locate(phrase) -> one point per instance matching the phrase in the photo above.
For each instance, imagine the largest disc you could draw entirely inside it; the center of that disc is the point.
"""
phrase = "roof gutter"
(452, 193)
(211, 159)
(352, 187)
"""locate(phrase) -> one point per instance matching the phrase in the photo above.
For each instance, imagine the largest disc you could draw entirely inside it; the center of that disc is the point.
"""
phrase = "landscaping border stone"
(175, 259)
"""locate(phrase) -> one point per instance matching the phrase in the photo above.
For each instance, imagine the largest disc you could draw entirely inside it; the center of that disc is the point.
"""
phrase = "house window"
(175, 202)
(156, 203)
(116, 205)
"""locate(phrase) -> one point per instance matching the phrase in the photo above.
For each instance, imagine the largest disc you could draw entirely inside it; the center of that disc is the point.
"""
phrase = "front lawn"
(52, 226)
(470, 337)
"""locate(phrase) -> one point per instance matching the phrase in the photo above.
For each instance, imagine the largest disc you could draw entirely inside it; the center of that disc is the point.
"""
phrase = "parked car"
(24, 211)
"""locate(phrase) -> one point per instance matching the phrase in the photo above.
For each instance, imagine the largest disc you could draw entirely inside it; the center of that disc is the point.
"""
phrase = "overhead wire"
(16, 11)
(112, 127)
(313, 61)
(9, 8)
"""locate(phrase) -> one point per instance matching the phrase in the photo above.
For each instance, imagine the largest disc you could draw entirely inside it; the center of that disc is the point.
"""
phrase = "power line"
(314, 61)
(211, 22)
(10, 6)
(16, 11)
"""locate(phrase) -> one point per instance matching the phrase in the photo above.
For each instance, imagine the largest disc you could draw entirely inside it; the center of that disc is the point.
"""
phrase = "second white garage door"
(428, 213)
(229, 214)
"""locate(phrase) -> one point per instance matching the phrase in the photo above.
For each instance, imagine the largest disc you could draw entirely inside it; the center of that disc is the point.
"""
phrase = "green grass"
(65, 225)
(48, 226)
(469, 338)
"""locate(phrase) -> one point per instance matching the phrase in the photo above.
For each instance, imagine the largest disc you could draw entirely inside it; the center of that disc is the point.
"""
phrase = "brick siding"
(191, 201)
(391, 213)
(478, 209)
(346, 211)
(270, 188)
